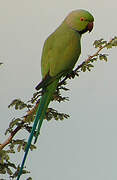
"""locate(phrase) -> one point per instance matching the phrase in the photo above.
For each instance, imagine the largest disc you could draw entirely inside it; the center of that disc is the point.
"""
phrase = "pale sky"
(84, 147)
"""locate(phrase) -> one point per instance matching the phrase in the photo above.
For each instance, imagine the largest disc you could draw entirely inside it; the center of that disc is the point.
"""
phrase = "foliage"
(12, 145)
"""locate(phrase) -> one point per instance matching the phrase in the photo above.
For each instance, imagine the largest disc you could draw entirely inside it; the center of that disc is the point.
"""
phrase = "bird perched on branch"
(60, 53)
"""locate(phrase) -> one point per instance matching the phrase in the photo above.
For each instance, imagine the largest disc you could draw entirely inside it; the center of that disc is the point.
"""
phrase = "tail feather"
(44, 104)
(41, 111)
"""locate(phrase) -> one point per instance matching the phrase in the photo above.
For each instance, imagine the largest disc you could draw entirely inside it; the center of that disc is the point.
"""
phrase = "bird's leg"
(72, 74)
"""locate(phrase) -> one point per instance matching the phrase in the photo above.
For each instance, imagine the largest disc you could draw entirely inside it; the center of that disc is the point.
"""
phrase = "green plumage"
(44, 102)
(60, 53)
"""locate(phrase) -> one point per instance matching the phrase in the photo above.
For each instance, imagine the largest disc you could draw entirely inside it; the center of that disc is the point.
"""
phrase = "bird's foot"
(72, 75)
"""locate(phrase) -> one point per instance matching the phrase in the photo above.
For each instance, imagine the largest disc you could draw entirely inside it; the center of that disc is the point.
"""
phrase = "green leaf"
(52, 113)
(114, 42)
(99, 43)
(109, 45)
(94, 59)
(103, 57)
(19, 105)
(13, 123)
(83, 68)
(89, 66)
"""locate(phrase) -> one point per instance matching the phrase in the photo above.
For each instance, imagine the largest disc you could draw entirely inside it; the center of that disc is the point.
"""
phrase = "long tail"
(41, 111)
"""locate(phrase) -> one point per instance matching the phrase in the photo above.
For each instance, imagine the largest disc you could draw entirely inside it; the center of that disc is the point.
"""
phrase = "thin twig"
(86, 61)
(13, 133)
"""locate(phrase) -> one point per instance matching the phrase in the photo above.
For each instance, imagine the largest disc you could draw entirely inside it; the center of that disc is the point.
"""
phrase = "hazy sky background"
(84, 147)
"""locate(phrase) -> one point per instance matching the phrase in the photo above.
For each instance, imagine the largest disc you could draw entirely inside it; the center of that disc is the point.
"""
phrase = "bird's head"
(80, 20)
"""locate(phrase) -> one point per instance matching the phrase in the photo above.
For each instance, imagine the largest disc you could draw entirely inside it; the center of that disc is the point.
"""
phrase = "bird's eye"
(82, 19)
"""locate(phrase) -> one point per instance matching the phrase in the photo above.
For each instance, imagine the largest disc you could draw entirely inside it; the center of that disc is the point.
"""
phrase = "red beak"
(90, 26)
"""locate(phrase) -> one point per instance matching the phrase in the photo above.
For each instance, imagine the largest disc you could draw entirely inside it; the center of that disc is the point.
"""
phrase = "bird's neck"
(70, 25)
(67, 27)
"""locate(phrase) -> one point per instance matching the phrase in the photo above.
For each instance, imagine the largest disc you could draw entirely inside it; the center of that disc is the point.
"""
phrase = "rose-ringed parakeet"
(60, 53)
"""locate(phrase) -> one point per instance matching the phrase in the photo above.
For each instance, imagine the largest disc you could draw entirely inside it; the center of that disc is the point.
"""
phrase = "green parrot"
(60, 53)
